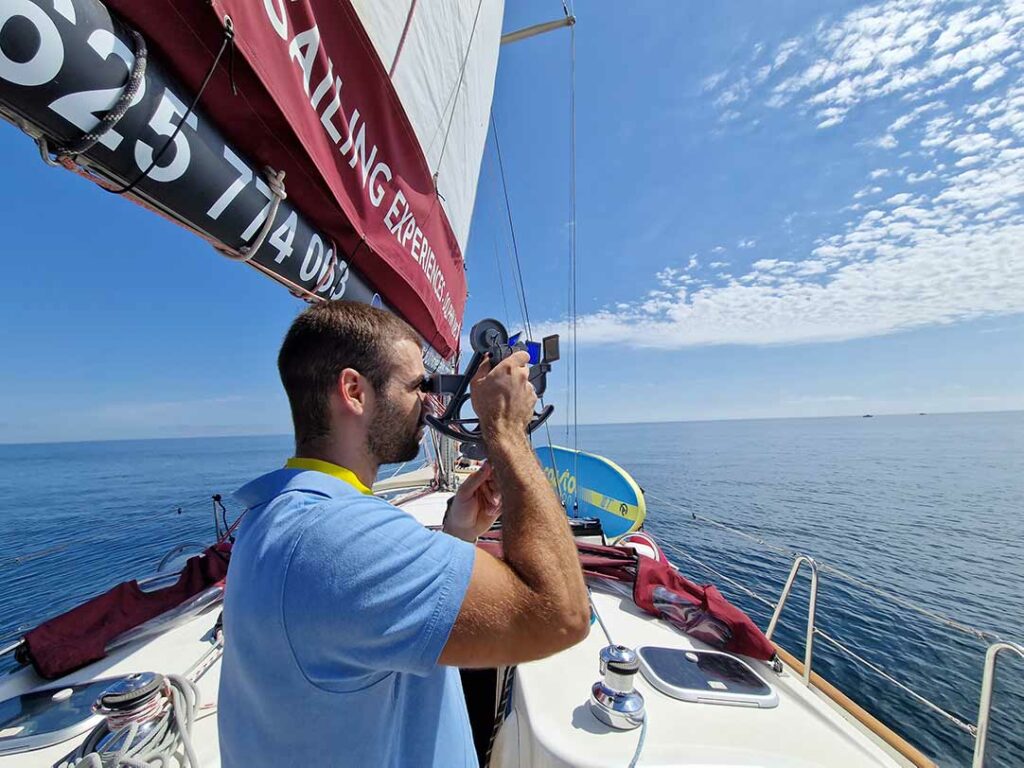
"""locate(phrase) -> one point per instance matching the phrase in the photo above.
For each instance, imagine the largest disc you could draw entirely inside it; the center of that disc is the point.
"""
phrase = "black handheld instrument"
(489, 340)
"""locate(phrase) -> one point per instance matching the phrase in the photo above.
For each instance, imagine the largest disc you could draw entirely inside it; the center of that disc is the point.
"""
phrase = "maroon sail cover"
(660, 590)
(700, 611)
(309, 95)
(80, 636)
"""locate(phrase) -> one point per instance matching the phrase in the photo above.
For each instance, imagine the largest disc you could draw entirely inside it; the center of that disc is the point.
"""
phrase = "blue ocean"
(929, 508)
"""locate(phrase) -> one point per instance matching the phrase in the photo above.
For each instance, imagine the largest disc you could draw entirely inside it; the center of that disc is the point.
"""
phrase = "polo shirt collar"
(330, 485)
(341, 473)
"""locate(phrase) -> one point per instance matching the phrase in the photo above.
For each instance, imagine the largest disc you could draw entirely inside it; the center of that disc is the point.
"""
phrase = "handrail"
(985, 703)
(812, 605)
(12, 647)
(979, 732)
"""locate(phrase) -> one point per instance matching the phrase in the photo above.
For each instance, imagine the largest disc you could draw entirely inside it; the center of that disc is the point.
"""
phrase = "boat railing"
(812, 607)
(996, 644)
(979, 731)
(985, 705)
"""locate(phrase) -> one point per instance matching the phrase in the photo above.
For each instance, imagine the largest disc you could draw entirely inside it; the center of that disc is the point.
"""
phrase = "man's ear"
(353, 391)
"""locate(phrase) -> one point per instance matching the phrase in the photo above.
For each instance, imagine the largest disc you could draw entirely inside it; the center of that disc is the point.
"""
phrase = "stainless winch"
(613, 700)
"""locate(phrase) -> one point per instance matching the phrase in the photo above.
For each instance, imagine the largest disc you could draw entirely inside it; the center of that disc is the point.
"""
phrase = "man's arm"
(534, 603)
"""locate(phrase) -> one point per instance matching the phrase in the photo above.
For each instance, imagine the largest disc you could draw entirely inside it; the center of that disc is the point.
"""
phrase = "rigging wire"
(521, 288)
(966, 727)
(501, 283)
(454, 93)
(573, 259)
(511, 225)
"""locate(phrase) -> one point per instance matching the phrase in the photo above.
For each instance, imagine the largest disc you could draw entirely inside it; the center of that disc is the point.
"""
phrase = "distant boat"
(867, 416)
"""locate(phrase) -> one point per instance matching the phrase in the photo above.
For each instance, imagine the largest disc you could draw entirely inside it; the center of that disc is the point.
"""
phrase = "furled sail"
(336, 145)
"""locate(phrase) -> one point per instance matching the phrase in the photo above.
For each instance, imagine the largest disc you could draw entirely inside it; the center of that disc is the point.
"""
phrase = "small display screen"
(702, 671)
(550, 348)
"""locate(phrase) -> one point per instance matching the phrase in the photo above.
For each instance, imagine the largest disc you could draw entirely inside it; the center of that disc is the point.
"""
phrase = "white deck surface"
(172, 652)
(551, 724)
(556, 728)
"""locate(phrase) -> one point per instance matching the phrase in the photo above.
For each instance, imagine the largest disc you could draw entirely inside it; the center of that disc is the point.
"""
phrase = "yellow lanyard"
(316, 465)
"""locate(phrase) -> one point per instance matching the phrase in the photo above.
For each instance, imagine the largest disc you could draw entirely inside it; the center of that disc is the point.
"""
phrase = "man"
(345, 620)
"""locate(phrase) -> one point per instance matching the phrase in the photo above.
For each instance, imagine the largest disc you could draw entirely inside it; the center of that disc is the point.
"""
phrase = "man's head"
(352, 372)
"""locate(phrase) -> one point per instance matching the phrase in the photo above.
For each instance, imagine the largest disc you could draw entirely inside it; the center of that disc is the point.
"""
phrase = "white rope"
(169, 742)
(275, 181)
(640, 744)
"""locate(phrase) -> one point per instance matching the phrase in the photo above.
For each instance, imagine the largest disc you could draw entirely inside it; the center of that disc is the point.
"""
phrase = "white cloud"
(749, 243)
(865, 191)
(994, 73)
(711, 82)
(903, 259)
(943, 279)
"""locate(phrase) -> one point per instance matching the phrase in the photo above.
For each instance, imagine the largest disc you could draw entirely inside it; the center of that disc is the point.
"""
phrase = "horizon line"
(553, 426)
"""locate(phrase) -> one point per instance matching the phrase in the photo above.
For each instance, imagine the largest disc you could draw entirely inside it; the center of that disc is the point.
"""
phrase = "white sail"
(443, 58)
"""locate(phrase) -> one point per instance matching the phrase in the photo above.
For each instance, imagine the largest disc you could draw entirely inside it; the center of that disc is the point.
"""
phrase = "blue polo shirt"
(338, 605)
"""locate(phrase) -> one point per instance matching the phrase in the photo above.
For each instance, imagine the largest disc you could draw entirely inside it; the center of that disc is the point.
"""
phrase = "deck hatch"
(705, 677)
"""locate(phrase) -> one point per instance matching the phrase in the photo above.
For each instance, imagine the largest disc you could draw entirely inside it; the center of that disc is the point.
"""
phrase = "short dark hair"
(323, 341)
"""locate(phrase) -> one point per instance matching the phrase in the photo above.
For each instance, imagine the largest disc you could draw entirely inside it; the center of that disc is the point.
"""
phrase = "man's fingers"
(492, 496)
(474, 481)
(520, 358)
(514, 361)
(483, 370)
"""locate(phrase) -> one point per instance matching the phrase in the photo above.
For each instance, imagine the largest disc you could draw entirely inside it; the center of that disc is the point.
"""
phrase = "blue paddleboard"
(603, 489)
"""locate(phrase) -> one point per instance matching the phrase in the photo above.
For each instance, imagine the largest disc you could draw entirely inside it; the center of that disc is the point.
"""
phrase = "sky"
(782, 210)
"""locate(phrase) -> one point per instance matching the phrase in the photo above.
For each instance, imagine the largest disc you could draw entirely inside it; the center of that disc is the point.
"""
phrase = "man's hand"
(503, 397)
(475, 506)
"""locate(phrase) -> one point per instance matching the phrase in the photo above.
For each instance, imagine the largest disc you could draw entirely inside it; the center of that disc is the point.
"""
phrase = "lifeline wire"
(980, 634)
(964, 726)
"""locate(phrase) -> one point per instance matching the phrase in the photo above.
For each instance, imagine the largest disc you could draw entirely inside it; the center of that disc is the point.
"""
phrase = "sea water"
(929, 508)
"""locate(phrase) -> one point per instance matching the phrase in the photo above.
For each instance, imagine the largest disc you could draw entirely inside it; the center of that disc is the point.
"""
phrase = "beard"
(392, 438)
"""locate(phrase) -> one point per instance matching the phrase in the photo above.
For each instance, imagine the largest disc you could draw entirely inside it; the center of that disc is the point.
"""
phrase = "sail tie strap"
(65, 155)
(275, 180)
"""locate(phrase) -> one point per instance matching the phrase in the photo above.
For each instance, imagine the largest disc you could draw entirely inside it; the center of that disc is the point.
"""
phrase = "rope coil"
(154, 733)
